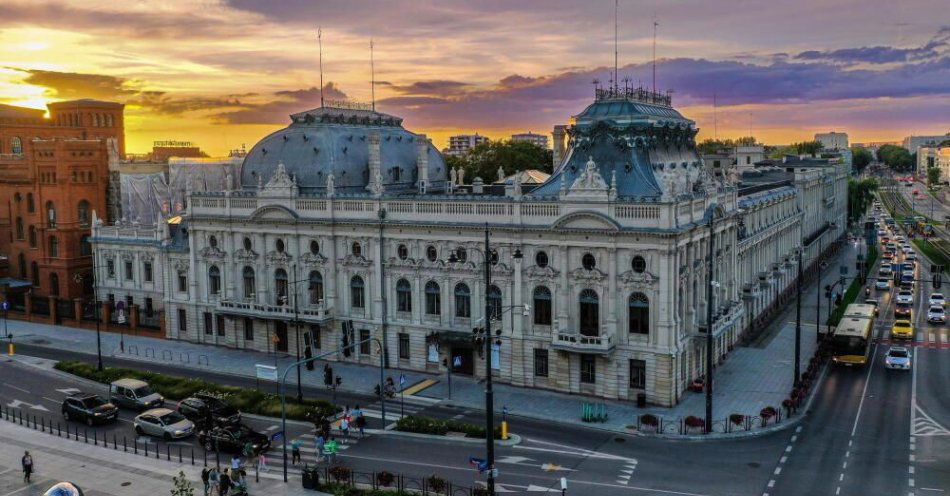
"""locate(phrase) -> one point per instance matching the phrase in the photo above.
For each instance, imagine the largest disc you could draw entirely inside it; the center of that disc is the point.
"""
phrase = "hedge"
(177, 388)
(854, 288)
(440, 427)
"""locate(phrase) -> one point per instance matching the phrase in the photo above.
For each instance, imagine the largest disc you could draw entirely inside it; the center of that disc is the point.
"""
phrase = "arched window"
(494, 302)
(590, 313)
(214, 280)
(463, 301)
(588, 261)
(51, 214)
(16, 146)
(22, 263)
(32, 237)
(85, 247)
(109, 120)
(542, 306)
(403, 296)
(83, 212)
(247, 244)
(638, 308)
(316, 287)
(17, 198)
(357, 296)
(433, 298)
(280, 286)
(53, 284)
(19, 228)
(95, 120)
(35, 269)
(356, 249)
(248, 275)
(30, 206)
(53, 246)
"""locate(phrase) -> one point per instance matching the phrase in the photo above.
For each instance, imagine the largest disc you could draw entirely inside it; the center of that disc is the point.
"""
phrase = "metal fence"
(40, 305)
(65, 309)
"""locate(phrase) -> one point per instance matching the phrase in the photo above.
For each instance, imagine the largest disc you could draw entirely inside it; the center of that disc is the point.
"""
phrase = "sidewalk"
(102, 471)
(750, 378)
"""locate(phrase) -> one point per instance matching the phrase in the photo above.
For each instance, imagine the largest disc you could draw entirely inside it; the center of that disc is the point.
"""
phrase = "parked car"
(164, 423)
(905, 296)
(897, 357)
(936, 315)
(134, 394)
(89, 408)
(902, 329)
(200, 407)
(233, 438)
(936, 299)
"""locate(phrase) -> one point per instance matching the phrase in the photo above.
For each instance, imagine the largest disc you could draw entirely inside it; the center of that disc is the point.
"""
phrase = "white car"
(882, 284)
(885, 270)
(900, 238)
(163, 423)
(897, 357)
(905, 297)
(911, 257)
(936, 299)
(936, 315)
(907, 250)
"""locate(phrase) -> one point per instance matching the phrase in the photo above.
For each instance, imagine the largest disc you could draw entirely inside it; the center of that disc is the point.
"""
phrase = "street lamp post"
(709, 330)
(489, 394)
(80, 278)
(798, 317)
(297, 336)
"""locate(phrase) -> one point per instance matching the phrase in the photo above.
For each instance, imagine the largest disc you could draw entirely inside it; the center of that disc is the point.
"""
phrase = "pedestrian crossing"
(926, 338)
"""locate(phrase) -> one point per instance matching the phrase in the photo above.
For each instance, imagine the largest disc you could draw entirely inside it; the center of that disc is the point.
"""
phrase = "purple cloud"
(883, 54)
(277, 111)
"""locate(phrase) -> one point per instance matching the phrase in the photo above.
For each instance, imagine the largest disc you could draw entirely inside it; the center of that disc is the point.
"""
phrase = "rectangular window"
(128, 270)
(128, 303)
(147, 271)
(148, 307)
(540, 362)
(403, 346)
(638, 374)
(248, 329)
(364, 343)
(495, 356)
(209, 323)
(110, 268)
(588, 369)
(315, 336)
(220, 324)
(182, 320)
(182, 282)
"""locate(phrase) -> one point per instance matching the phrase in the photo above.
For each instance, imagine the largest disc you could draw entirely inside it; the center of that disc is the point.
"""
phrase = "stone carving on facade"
(541, 273)
(590, 185)
(277, 258)
(147, 257)
(280, 184)
(409, 263)
(212, 252)
(331, 188)
(243, 255)
(645, 278)
(181, 265)
(313, 259)
(126, 256)
(582, 274)
(352, 260)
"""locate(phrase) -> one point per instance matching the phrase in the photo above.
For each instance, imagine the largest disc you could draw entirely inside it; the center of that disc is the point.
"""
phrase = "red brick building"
(54, 173)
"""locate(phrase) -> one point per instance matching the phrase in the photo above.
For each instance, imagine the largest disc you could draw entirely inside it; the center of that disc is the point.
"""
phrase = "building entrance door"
(280, 336)
(462, 361)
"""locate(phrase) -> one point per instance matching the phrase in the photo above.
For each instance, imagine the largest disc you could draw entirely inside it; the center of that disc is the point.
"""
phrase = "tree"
(710, 145)
(943, 143)
(183, 486)
(807, 148)
(860, 195)
(484, 159)
(895, 157)
(780, 152)
(933, 175)
(860, 158)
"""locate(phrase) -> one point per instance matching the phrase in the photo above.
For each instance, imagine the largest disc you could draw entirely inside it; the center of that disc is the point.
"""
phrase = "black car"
(233, 438)
(201, 408)
(89, 408)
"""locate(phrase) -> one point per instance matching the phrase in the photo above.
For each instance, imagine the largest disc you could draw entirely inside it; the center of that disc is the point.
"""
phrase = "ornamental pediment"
(181, 265)
(644, 278)
(409, 263)
(277, 258)
(352, 260)
(582, 274)
(586, 221)
(243, 255)
(273, 213)
(546, 272)
(313, 259)
(212, 252)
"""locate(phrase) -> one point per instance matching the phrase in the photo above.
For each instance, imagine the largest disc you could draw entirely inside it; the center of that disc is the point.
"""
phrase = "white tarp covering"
(147, 198)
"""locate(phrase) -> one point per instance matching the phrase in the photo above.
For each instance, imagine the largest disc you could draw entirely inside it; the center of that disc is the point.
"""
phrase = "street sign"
(5, 305)
(121, 317)
(402, 379)
(266, 372)
(457, 361)
(277, 436)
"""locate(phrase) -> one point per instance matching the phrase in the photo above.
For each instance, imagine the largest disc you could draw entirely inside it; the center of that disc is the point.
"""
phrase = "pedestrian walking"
(235, 462)
(205, 479)
(27, 463)
(325, 428)
(360, 420)
(295, 451)
(345, 428)
(224, 483)
(261, 462)
(213, 478)
(319, 441)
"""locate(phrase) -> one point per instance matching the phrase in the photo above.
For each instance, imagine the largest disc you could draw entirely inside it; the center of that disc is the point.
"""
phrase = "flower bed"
(440, 427)
(177, 388)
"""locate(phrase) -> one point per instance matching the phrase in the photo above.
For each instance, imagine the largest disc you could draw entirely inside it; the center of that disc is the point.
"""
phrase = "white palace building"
(346, 223)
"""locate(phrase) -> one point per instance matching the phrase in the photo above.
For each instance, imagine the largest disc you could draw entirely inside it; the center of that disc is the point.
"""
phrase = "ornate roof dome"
(355, 146)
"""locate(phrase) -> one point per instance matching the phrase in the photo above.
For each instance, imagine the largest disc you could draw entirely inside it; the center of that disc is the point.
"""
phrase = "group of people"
(230, 481)
(324, 435)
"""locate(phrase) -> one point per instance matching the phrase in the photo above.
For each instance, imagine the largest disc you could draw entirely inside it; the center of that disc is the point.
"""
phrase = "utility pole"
(798, 316)
(489, 395)
(709, 327)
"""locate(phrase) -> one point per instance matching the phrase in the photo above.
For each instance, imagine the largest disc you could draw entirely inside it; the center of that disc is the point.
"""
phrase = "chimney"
(559, 132)
(374, 163)
(422, 163)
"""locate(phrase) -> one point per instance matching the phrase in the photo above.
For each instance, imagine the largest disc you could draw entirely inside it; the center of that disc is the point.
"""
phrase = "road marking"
(778, 470)
(798, 429)
(788, 449)
(844, 465)
(847, 454)
(794, 438)
(581, 452)
(771, 483)
(17, 388)
(17, 403)
(783, 459)
(52, 400)
(272, 428)
(912, 457)
(867, 381)
(840, 477)
(513, 459)
(910, 482)
(68, 391)
(838, 490)
(910, 470)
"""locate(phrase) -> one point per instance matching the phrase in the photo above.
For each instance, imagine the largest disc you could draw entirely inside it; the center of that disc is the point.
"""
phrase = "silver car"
(163, 423)
(897, 357)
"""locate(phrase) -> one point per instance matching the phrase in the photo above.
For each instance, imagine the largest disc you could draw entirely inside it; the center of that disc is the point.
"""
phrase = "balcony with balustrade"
(309, 313)
(602, 344)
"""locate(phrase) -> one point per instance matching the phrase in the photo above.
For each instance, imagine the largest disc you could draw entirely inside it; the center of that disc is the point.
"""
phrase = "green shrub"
(177, 388)
(440, 427)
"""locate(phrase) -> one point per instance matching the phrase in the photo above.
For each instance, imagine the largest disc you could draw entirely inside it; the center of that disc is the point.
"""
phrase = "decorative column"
(422, 163)
(559, 149)
(374, 184)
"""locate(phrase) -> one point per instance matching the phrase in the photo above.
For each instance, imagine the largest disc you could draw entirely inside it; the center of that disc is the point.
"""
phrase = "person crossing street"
(27, 463)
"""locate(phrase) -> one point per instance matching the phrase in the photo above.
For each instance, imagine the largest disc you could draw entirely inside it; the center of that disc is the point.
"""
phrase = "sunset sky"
(225, 72)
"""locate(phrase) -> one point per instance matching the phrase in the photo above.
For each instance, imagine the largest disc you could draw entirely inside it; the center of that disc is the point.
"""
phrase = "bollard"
(42, 424)
(146, 449)
(76, 433)
(125, 447)
(168, 453)
(59, 431)
(85, 435)
(115, 443)
(179, 453)
(192, 455)
(95, 438)
(135, 444)
(158, 455)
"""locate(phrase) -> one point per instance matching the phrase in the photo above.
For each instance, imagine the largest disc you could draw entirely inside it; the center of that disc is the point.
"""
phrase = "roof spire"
(616, 43)
(320, 43)
(655, 25)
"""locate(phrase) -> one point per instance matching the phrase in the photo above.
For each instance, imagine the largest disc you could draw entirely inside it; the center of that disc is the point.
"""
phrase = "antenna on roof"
(616, 44)
(372, 70)
(320, 42)
(655, 25)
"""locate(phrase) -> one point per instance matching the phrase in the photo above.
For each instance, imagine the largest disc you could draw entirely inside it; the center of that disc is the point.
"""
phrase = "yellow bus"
(851, 341)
